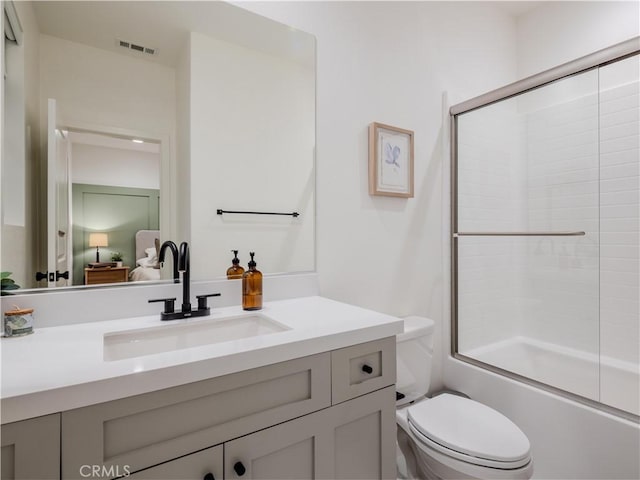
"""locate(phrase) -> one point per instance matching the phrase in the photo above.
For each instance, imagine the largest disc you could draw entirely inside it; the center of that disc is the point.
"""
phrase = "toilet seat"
(469, 431)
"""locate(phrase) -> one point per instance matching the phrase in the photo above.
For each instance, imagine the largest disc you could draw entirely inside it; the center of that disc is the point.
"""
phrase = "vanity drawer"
(145, 430)
(197, 465)
(362, 368)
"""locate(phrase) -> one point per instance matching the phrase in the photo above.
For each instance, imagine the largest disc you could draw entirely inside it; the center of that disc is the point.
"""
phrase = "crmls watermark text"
(103, 471)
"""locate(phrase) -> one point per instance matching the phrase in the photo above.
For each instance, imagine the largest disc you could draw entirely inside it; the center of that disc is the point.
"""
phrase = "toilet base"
(433, 465)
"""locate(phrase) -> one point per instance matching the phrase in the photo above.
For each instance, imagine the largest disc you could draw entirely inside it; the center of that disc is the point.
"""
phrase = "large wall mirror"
(130, 123)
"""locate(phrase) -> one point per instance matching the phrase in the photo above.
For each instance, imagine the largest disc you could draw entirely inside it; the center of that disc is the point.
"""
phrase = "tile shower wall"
(562, 196)
(619, 212)
(567, 172)
(490, 199)
(577, 144)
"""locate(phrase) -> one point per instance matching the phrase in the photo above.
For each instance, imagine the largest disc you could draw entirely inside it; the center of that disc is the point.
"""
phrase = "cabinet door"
(31, 449)
(355, 439)
(364, 437)
(204, 465)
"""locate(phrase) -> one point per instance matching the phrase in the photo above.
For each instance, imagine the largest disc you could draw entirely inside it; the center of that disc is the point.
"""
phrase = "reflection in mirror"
(115, 199)
(224, 103)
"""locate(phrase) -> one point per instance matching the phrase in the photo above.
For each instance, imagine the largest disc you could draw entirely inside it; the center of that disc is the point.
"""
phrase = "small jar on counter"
(18, 322)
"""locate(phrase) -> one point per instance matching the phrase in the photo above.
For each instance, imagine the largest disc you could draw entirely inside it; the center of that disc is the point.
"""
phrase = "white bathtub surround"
(613, 381)
(66, 368)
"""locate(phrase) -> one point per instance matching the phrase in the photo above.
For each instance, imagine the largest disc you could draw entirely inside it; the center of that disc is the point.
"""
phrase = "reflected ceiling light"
(136, 140)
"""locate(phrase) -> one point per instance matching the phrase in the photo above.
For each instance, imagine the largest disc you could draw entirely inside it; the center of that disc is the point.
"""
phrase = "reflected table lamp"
(98, 240)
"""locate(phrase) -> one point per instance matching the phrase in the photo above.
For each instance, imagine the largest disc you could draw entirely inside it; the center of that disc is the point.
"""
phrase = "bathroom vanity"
(312, 398)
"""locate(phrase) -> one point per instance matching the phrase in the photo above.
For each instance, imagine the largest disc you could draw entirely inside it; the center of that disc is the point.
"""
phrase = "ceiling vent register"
(137, 48)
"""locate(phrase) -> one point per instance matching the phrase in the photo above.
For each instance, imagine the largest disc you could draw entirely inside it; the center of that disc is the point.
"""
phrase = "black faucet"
(174, 251)
(184, 267)
(181, 264)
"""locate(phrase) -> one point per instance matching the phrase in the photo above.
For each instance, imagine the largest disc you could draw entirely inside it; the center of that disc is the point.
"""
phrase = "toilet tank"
(414, 352)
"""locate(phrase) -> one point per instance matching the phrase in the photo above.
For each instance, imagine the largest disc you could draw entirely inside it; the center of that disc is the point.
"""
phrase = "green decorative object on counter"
(7, 284)
(116, 257)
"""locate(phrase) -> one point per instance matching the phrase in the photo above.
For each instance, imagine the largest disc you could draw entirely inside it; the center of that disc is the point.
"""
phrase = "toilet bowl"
(450, 436)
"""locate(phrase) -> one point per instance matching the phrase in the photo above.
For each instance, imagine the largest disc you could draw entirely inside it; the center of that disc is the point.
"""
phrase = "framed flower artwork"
(390, 161)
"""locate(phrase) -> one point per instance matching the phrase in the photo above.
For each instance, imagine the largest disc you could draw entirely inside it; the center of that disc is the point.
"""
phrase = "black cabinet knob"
(209, 476)
(367, 369)
(238, 467)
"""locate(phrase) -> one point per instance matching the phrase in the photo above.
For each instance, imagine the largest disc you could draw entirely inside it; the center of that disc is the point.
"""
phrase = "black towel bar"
(293, 214)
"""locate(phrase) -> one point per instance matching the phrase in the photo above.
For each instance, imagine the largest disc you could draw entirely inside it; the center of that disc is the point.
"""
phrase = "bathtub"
(605, 379)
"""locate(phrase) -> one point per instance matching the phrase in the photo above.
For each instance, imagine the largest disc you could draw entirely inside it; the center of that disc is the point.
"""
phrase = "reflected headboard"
(145, 239)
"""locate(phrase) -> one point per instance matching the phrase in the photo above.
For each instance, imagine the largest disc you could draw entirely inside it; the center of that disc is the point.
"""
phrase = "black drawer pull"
(367, 369)
(209, 476)
(238, 467)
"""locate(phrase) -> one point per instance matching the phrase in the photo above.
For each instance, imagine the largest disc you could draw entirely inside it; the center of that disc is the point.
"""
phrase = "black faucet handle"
(169, 303)
(202, 300)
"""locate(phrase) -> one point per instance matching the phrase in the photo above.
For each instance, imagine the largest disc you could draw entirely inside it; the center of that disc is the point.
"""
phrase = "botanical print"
(390, 161)
(394, 167)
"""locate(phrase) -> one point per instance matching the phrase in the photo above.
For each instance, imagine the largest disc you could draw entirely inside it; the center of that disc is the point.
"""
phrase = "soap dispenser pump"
(252, 287)
(235, 270)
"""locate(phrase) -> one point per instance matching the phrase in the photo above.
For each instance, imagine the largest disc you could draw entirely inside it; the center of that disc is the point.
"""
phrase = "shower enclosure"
(545, 227)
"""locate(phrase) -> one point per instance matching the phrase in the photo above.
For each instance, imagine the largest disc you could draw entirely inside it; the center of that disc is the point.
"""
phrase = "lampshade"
(98, 240)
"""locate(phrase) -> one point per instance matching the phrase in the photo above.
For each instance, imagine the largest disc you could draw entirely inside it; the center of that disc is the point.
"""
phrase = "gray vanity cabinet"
(354, 439)
(31, 449)
(329, 416)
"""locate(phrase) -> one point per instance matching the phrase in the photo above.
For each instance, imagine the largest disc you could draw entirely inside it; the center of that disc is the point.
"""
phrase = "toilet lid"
(470, 428)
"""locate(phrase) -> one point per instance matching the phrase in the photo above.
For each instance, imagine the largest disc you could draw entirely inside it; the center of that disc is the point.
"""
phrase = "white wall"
(14, 142)
(20, 153)
(239, 93)
(183, 146)
(391, 62)
(98, 87)
(558, 32)
(116, 167)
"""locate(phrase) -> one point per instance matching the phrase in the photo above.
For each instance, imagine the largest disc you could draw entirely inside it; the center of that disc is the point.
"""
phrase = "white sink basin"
(186, 334)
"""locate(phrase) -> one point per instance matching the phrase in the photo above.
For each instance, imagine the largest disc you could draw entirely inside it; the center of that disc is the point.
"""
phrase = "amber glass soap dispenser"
(252, 287)
(235, 270)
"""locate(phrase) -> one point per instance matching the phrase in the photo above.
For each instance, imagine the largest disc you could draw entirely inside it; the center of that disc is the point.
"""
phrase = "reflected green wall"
(118, 211)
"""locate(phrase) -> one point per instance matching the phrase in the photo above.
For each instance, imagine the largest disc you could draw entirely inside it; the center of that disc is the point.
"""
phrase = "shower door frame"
(620, 51)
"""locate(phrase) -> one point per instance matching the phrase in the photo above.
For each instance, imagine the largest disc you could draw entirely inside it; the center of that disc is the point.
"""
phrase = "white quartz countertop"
(64, 367)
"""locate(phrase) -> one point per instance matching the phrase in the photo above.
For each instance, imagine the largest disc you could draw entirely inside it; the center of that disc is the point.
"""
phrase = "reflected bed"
(147, 266)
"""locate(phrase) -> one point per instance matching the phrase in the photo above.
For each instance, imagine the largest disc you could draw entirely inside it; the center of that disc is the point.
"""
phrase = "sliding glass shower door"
(545, 219)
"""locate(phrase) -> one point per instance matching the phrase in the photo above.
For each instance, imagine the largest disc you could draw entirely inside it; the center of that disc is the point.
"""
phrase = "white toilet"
(450, 436)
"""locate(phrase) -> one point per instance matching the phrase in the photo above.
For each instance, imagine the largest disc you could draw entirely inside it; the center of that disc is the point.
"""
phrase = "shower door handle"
(519, 234)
